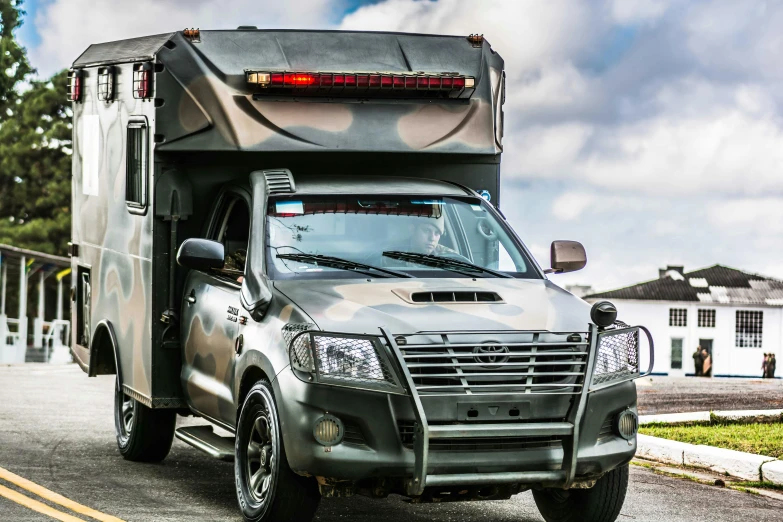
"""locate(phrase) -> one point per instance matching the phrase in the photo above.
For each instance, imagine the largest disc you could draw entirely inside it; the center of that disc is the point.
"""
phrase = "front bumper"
(374, 447)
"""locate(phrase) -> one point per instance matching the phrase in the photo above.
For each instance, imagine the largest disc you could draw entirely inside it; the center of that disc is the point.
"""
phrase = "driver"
(425, 238)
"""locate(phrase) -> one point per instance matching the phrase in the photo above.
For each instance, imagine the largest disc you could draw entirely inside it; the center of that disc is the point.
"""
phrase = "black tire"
(601, 503)
(143, 434)
(279, 494)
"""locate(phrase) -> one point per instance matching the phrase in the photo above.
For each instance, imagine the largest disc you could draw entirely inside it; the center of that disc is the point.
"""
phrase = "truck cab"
(296, 236)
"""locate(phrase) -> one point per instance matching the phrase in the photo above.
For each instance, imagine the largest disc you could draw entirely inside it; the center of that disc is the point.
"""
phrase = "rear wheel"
(601, 503)
(267, 489)
(143, 434)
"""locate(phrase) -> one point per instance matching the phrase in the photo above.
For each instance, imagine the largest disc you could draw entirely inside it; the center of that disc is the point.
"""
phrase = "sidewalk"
(746, 466)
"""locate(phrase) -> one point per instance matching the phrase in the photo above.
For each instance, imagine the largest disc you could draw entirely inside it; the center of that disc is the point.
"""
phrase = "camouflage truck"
(296, 236)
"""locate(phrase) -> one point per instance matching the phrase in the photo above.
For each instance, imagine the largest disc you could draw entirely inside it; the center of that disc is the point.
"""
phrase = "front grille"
(479, 444)
(493, 363)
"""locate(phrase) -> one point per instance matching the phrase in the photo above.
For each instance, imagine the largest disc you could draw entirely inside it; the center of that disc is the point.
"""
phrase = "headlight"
(618, 356)
(357, 361)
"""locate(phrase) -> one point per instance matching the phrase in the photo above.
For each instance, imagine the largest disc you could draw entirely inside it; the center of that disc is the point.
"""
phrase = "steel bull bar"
(568, 429)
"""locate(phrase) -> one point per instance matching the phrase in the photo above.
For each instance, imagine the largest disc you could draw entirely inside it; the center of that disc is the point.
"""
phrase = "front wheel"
(267, 489)
(143, 434)
(601, 503)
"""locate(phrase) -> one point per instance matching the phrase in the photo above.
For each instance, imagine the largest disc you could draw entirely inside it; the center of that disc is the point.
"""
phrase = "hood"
(361, 307)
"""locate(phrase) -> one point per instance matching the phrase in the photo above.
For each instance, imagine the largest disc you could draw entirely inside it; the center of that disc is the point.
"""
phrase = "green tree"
(14, 66)
(35, 141)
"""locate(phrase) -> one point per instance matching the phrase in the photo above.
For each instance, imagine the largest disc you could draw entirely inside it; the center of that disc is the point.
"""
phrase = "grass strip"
(760, 438)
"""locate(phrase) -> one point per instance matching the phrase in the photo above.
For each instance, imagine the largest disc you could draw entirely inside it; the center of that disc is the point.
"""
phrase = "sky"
(649, 130)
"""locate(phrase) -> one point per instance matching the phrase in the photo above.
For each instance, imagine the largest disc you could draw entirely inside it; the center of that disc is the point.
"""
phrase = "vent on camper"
(279, 181)
(455, 297)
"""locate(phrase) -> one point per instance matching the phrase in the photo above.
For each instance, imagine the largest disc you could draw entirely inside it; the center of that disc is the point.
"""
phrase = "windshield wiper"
(442, 262)
(340, 263)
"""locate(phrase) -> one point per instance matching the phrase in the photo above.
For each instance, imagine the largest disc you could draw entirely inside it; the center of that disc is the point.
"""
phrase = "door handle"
(192, 297)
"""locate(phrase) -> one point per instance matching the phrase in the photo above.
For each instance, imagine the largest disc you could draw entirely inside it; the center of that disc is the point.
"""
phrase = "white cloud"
(744, 216)
(68, 27)
(570, 205)
(637, 11)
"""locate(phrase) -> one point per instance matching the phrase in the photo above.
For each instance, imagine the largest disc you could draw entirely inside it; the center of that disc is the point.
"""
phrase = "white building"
(737, 316)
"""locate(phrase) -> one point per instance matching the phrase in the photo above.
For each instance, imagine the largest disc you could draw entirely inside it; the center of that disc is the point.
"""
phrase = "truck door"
(210, 311)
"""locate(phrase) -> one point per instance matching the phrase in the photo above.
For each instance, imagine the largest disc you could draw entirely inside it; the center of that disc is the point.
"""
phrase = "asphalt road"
(681, 394)
(56, 429)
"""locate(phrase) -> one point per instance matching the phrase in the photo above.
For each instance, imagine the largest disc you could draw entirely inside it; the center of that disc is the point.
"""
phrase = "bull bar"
(580, 384)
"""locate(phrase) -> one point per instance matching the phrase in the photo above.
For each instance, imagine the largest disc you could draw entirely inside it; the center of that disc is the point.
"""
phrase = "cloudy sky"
(649, 130)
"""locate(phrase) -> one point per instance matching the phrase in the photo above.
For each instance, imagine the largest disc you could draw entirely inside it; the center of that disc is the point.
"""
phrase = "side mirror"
(566, 256)
(200, 254)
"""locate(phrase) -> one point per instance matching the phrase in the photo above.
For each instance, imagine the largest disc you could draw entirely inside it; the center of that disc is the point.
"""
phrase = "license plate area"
(489, 410)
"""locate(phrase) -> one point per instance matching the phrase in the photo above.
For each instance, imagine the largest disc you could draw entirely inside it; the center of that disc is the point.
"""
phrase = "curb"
(704, 416)
(746, 466)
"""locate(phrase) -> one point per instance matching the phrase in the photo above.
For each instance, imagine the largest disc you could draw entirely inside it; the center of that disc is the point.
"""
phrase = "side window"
(233, 231)
(136, 167)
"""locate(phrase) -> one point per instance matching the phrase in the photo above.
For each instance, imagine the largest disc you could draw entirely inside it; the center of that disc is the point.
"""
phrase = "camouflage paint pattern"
(114, 243)
(202, 102)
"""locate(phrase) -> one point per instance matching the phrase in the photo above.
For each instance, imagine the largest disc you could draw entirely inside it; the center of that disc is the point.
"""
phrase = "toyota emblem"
(491, 355)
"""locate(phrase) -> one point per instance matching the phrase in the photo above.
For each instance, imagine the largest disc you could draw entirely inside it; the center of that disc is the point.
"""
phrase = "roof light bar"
(361, 84)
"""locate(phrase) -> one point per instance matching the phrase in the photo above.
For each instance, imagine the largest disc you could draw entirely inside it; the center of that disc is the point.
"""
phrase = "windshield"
(387, 236)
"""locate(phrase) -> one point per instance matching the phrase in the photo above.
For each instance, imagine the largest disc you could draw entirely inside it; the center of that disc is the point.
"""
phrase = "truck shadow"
(210, 486)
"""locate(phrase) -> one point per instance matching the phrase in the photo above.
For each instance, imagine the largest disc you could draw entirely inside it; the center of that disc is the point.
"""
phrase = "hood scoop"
(451, 296)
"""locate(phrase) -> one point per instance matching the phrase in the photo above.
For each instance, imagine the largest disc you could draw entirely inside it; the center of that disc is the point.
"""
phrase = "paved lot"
(681, 394)
(56, 429)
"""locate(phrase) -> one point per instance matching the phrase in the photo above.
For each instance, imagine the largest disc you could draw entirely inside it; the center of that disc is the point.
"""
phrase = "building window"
(707, 318)
(136, 165)
(749, 328)
(676, 354)
(678, 317)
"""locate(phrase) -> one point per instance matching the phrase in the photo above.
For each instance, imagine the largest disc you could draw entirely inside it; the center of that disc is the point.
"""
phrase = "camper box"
(160, 122)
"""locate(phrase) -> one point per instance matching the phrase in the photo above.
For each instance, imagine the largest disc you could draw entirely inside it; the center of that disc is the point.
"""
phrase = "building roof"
(717, 285)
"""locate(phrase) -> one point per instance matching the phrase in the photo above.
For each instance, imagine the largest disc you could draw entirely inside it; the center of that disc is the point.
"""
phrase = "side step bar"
(203, 438)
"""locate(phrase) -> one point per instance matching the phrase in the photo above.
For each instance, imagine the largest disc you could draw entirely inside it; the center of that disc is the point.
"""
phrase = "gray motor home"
(297, 236)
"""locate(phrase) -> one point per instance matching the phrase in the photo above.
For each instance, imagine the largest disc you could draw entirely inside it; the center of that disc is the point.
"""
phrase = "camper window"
(136, 167)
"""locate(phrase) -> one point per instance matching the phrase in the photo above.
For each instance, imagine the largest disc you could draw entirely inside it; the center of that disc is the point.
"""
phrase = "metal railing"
(58, 333)
(11, 338)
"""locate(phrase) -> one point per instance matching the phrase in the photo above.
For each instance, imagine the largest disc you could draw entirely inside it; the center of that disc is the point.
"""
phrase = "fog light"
(328, 430)
(626, 424)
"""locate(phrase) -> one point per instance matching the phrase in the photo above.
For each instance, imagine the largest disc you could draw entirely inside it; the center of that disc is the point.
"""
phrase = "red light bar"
(362, 84)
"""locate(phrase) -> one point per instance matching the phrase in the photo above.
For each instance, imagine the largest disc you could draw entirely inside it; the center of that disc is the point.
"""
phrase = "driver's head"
(426, 236)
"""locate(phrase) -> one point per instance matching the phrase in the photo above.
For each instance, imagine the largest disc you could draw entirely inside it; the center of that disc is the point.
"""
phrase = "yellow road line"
(55, 497)
(40, 507)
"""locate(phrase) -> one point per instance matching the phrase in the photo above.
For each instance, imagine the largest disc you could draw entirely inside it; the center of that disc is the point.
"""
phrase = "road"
(56, 430)
(681, 394)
